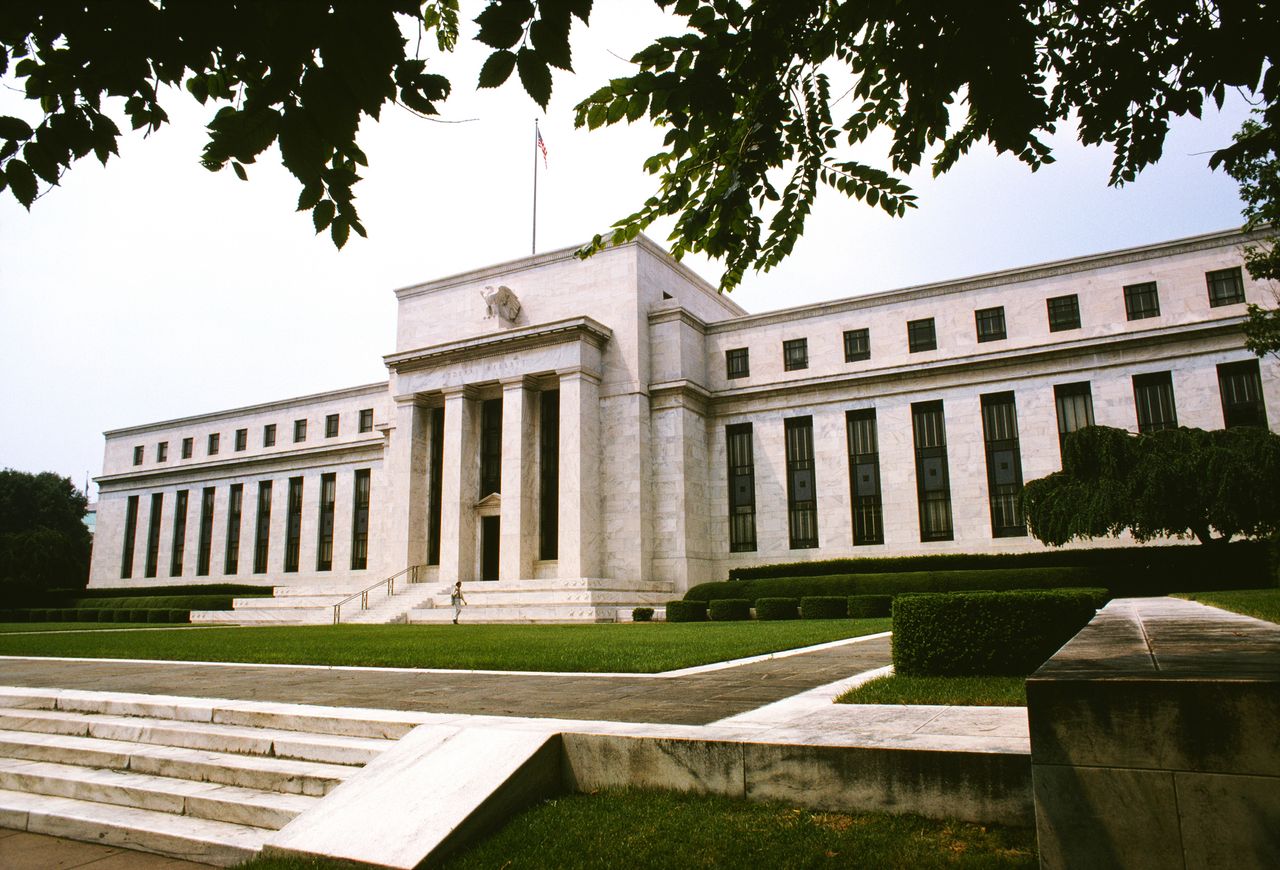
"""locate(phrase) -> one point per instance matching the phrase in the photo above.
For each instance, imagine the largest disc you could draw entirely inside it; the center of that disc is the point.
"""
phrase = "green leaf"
(322, 214)
(311, 193)
(14, 128)
(502, 22)
(497, 69)
(41, 162)
(339, 230)
(22, 181)
(535, 75)
(240, 173)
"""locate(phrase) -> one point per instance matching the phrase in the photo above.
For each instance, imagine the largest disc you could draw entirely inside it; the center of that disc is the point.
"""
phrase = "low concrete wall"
(1154, 740)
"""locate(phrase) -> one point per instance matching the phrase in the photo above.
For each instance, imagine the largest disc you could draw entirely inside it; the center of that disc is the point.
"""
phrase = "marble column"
(460, 476)
(581, 524)
(407, 486)
(519, 534)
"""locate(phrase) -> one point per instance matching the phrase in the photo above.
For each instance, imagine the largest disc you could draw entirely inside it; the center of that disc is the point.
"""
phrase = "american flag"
(542, 146)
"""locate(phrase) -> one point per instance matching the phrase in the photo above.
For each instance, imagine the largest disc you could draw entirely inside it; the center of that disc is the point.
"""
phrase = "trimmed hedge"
(159, 602)
(686, 611)
(824, 607)
(777, 608)
(97, 614)
(984, 633)
(642, 614)
(869, 606)
(729, 610)
(845, 585)
(238, 590)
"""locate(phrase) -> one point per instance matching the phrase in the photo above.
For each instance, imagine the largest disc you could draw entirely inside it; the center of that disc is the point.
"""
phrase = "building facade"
(617, 424)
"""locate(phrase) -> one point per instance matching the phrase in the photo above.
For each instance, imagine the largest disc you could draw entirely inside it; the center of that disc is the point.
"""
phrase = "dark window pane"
(331, 426)
(206, 532)
(490, 447)
(933, 483)
(242, 439)
(130, 533)
(360, 522)
(299, 431)
(737, 363)
(990, 323)
(235, 504)
(1226, 287)
(137, 454)
(214, 441)
(921, 336)
(1241, 386)
(1141, 301)
(1004, 464)
(162, 451)
(366, 420)
(262, 540)
(795, 354)
(436, 498)
(187, 447)
(864, 477)
(269, 435)
(1153, 398)
(802, 497)
(179, 549)
(324, 544)
(549, 474)
(857, 345)
(293, 525)
(1064, 313)
(1075, 409)
(153, 533)
(742, 488)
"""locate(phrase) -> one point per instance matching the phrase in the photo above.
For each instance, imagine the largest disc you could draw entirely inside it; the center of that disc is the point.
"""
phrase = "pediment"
(489, 505)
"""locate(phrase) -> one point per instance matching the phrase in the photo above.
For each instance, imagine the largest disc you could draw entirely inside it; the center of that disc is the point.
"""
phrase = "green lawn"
(18, 627)
(963, 691)
(672, 830)
(1262, 603)
(626, 648)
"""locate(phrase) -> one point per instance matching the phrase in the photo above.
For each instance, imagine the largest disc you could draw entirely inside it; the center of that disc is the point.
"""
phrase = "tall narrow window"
(933, 482)
(235, 507)
(737, 363)
(331, 426)
(299, 431)
(188, 447)
(162, 451)
(921, 335)
(179, 550)
(214, 442)
(137, 454)
(153, 533)
(269, 435)
(549, 474)
(1226, 287)
(1141, 301)
(436, 495)
(795, 354)
(1064, 312)
(742, 489)
(366, 419)
(1241, 387)
(864, 477)
(262, 536)
(130, 534)
(293, 526)
(802, 496)
(1153, 399)
(360, 522)
(242, 439)
(990, 323)
(1004, 464)
(206, 532)
(1075, 409)
(324, 544)
(857, 345)
(490, 446)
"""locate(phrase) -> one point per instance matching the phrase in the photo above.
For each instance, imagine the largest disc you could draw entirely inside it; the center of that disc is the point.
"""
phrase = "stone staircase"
(177, 777)
(582, 599)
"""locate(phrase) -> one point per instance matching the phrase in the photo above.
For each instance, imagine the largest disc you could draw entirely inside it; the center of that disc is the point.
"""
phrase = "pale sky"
(152, 289)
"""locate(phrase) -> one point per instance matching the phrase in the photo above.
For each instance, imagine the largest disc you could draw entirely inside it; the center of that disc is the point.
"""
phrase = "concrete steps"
(179, 777)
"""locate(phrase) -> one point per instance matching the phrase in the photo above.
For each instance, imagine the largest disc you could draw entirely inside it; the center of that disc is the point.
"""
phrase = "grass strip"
(27, 627)
(625, 648)
(1258, 603)
(955, 691)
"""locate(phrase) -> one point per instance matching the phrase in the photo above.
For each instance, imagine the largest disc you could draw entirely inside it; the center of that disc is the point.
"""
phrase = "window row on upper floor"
(213, 441)
(1141, 301)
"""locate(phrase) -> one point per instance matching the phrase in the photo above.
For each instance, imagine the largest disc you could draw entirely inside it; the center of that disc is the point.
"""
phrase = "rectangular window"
(262, 536)
(360, 522)
(857, 344)
(206, 532)
(933, 482)
(737, 363)
(188, 447)
(1153, 398)
(742, 489)
(802, 496)
(214, 441)
(1064, 312)
(990, 323)
(299, 431)
(366, 420)
(1226, 287)
(162, 451)
(269, 435)
(436, 497)
(179, 534)
(153, 534)
(331, 426)
(137, 454)
(549, 472)
(130, 534)
(921, 336)
(795, 354)
(1241, 388)
(235, 506)
(1004, 464)
(490, 446)
(242, 439)
(1141, 301)
(864, 477)
(324, 546)
(1075, 409)
(293, 526)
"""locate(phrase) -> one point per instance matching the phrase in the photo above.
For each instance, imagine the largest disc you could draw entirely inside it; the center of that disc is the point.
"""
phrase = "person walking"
(457, 600)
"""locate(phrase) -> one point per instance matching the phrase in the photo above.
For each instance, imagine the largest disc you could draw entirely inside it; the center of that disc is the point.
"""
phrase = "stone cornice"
(235, 466)
(539, 335)
(681, 315)
(231, 413)
(679, 394)
(875, 380)
(1208, 241)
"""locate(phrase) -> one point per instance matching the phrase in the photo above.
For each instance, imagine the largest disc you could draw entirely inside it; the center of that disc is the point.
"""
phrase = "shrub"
(642, 614)
(686, 611)
(777, 608)
(84, 614)
(157, 616)
(868, 606)
(135, 615)
(67, 614)
(984, 633)
(729, 610)
(237, 590)
(160, 602)
(179, 615)
(824, 607)
(894, 583)
(106, 616)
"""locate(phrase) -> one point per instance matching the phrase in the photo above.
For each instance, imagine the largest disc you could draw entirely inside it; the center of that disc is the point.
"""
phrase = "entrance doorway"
(489, 527)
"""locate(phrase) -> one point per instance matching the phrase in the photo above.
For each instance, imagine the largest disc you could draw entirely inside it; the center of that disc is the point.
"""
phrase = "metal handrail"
(414, 572)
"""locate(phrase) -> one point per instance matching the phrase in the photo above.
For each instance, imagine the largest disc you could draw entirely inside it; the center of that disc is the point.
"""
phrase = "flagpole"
(534, 245)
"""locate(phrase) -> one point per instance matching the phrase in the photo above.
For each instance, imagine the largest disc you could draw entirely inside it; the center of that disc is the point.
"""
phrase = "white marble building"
(565, 429)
